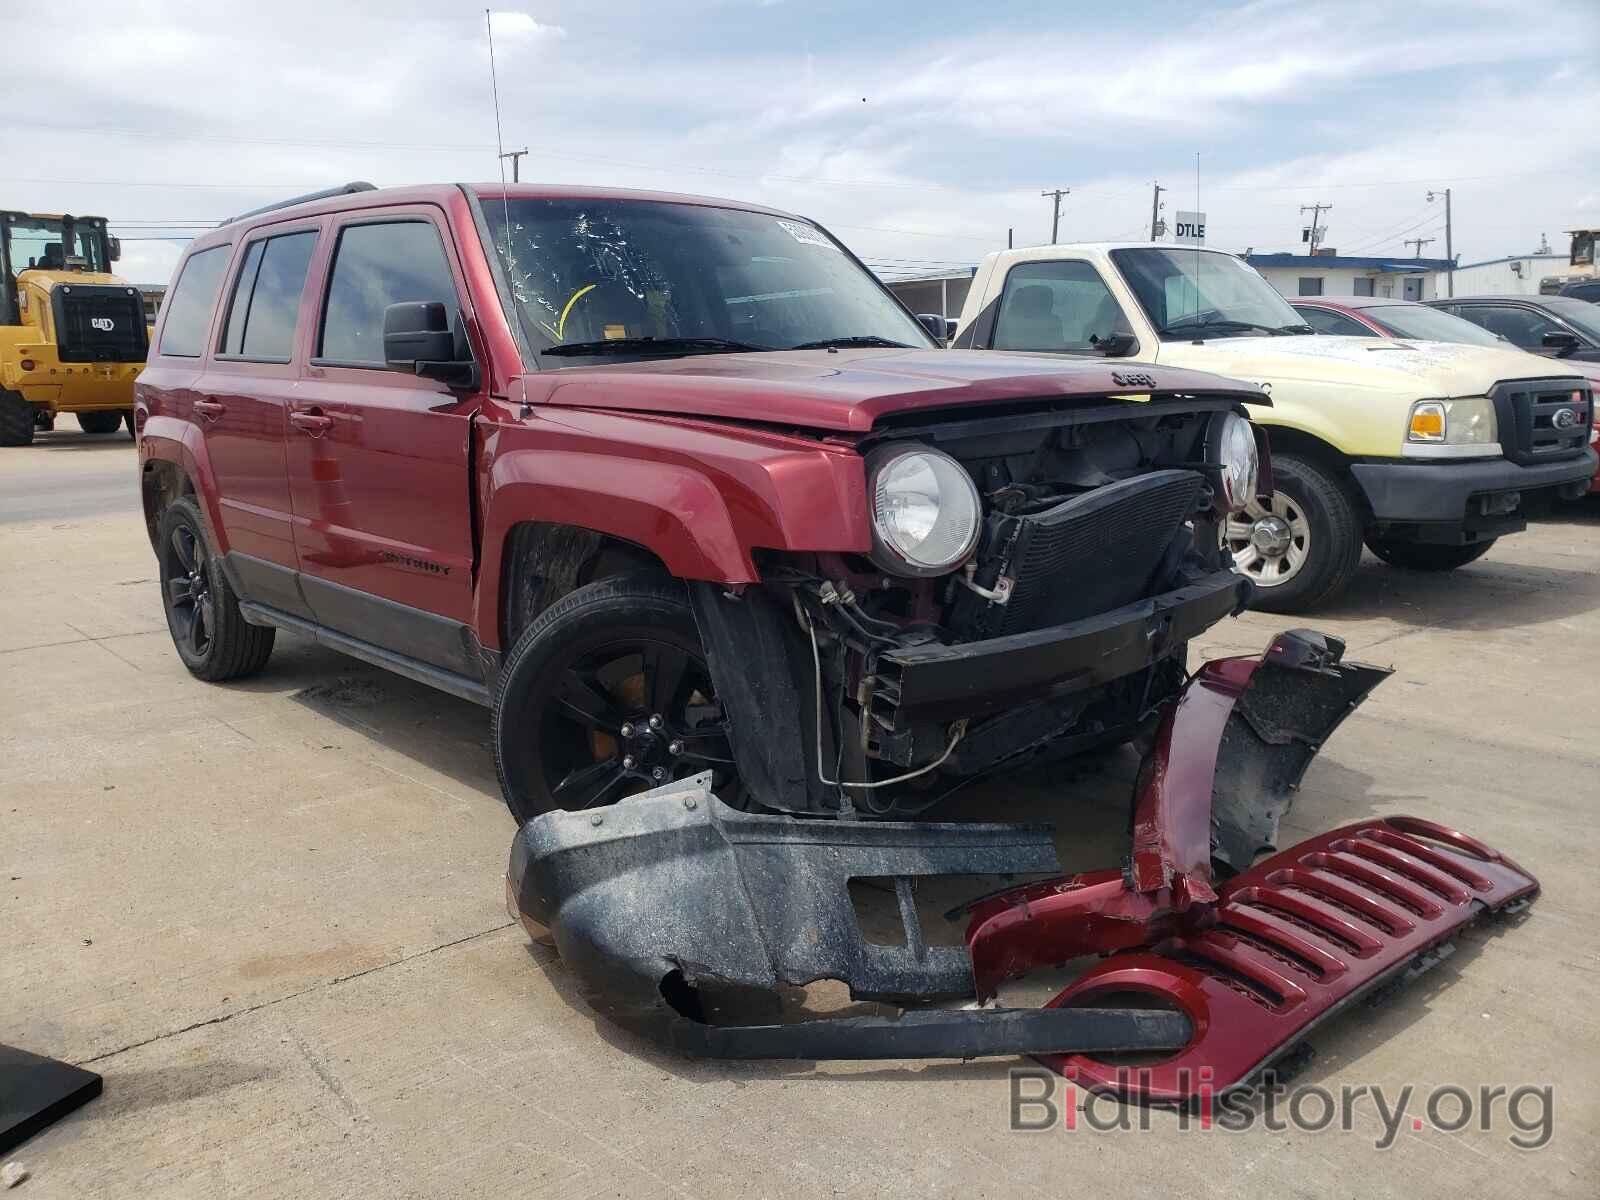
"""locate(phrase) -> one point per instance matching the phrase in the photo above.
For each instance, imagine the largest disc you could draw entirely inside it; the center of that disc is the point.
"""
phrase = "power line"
(1397, 234)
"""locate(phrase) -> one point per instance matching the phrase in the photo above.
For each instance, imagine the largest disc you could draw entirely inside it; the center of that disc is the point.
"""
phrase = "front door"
(378, 460)
(1413, 288)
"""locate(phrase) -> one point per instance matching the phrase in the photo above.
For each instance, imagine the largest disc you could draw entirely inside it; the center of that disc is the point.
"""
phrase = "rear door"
(378, 460)
(245, 393)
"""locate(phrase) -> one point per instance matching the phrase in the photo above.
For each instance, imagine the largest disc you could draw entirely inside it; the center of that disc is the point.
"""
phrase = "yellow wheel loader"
(72, 335)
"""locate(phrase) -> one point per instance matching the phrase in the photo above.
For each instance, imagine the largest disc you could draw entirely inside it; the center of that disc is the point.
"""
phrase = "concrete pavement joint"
(316, 987)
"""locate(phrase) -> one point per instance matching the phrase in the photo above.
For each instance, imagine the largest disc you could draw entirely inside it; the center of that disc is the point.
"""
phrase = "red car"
(741, 562)
(1375, 316)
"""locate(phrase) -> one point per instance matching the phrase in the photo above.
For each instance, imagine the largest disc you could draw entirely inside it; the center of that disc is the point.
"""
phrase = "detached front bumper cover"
(654, 899)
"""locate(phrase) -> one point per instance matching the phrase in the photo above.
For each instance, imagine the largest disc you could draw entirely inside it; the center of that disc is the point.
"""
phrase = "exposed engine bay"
(1088, 559)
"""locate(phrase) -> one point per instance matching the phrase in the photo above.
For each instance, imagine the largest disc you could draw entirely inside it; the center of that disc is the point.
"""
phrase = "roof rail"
(343, 189)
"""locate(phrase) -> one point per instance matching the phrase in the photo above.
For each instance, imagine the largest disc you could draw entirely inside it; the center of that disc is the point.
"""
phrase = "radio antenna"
(499, 143)
(1197, 258)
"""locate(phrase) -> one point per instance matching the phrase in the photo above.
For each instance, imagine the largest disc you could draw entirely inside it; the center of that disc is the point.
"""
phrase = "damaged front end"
(656, 899)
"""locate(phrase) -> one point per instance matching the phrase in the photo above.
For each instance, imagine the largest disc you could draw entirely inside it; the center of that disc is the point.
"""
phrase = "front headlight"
(1436, 424)
(1232, 445)
(925, 511)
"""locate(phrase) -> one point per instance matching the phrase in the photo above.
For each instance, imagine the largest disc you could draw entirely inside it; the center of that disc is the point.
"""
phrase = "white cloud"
(923, 126)
(520, 24)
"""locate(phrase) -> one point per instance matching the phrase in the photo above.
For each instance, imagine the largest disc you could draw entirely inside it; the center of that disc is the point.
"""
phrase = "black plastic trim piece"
(263, 582)
(421, 672)
(410, 632)
(938, 682)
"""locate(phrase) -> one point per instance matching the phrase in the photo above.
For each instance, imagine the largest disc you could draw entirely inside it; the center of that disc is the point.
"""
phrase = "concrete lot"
(271, 914)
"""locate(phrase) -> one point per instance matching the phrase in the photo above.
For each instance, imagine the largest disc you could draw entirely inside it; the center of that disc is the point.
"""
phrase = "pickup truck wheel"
(127, 418)
(1420, 556)
(607, 694)
(210, 633)
(1302, 547)
(16, 420)
(100, 422)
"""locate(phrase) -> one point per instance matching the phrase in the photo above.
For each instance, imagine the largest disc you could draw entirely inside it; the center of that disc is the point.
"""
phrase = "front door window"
(1058, 306)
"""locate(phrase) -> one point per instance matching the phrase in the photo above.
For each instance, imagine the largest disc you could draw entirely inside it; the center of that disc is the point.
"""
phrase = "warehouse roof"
(1347, 262)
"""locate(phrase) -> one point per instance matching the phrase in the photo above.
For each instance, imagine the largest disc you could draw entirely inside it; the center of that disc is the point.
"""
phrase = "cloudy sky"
(918, 132)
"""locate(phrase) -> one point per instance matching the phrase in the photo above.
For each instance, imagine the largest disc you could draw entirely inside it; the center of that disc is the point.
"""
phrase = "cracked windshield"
(595, 278)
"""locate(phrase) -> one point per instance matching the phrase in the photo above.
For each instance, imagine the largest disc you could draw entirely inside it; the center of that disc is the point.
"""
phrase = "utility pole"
(1419, 243)
(1317, 230)
(1054, 196)
(1449, 249)
(1156, 226)
(516, 162)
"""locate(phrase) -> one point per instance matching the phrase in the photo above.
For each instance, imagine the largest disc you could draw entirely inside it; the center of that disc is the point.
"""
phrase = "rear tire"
(127, 417)
(1323, 526)
(209, 632)
(1421, 556)
(16, 420)
(100, 422)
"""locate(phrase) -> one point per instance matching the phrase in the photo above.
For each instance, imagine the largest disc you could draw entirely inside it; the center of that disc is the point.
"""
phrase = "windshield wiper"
(1199, 328)
(864, 339)
(655, 345)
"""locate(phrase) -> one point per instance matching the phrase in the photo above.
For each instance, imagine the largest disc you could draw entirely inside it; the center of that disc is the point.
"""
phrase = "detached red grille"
(1296, 938)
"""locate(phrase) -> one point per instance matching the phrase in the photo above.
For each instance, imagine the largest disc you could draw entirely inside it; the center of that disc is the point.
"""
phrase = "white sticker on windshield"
(806, 235)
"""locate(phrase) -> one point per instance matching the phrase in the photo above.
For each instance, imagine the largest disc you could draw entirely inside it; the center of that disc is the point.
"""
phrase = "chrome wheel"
(1269, 543)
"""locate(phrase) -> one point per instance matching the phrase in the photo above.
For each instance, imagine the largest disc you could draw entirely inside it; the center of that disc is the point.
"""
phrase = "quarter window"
(375, 266)
(193, 298)
(266, 298)
(1062, 305)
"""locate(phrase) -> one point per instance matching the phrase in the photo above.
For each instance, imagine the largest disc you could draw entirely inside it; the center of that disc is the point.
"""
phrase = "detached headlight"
(1467, 422)
(925, 511)
(1231, 443)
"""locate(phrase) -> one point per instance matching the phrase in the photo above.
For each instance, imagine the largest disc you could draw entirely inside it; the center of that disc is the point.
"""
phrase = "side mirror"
(418, 339)
(114, 248)
(934, 324)
(1562, 342)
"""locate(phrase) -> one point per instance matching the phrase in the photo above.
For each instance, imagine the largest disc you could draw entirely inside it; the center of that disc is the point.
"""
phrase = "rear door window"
(1060, 305)
(266, 298)
(193, 299)
(374, 266)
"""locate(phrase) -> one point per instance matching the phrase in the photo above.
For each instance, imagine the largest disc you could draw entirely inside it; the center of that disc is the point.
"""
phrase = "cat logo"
(103, 324)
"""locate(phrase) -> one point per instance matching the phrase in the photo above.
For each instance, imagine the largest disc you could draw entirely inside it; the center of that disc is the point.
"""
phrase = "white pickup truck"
(1426, 452)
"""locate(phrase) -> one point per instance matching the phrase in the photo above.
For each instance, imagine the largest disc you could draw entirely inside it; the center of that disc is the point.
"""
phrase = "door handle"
(210, 408)
(311, 420)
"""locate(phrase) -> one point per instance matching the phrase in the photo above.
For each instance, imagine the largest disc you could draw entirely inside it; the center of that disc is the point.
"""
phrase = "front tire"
(17, 420)
(100, 422)
(605, 695)
(1302, 549)
(1421, 556)
(209, 632)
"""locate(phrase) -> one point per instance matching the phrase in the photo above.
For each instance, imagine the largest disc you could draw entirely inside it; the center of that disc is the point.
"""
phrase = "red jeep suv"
(673, 485)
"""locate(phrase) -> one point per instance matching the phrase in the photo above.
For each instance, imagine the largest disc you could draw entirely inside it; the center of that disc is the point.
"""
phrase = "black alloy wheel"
(209, 632)
(191, 608)
(606, 695)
